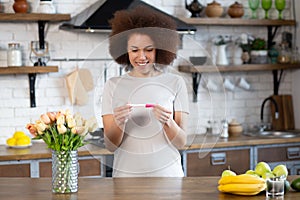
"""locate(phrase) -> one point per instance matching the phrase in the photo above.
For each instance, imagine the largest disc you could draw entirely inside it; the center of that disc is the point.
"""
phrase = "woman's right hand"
(121, 115)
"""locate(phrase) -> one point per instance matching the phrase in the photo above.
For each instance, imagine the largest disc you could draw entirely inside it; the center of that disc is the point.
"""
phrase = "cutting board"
(286, 119)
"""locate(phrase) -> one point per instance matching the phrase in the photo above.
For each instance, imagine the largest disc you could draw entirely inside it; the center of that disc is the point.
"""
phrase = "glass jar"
(14, 55)
(284, 56)
(46, 6)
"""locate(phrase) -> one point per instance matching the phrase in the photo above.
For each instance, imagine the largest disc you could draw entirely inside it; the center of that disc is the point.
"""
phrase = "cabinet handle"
(218, 158)
(293, 152)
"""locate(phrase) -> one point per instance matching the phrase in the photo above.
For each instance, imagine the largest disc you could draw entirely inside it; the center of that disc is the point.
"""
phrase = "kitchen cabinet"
(88, 166)
(288, 154)
(41, 20)
(213, 162)
(18, 169)
(272, 26)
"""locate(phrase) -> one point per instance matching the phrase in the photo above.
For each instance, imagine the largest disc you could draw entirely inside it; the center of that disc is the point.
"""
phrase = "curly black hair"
(143, 20)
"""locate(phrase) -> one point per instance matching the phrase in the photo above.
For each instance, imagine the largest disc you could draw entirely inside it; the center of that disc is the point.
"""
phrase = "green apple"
(251, 172)
(268, 175)
(262, 168)
(280, 170)
(228, 172)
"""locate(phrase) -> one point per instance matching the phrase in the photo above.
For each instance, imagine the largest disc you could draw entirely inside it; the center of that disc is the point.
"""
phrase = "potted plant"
(259, 52)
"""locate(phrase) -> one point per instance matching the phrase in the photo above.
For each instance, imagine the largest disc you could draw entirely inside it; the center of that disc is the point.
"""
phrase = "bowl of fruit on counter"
(19, 140)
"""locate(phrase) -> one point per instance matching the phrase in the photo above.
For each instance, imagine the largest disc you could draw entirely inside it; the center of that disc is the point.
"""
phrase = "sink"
(275, 134)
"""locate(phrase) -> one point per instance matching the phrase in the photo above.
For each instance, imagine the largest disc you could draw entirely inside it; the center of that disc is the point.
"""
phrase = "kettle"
(195, 7)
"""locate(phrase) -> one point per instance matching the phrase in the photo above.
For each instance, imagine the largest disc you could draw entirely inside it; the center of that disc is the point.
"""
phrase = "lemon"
(11, 141)
(21, 141)
(19, 134)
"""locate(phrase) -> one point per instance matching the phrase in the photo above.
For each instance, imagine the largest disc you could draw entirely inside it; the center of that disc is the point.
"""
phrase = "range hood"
(95, 18)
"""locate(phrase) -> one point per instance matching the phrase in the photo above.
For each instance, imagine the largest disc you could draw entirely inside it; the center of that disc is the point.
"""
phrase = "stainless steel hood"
(95, 18)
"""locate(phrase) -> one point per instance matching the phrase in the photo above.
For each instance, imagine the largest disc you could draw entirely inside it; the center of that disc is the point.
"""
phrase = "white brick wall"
(51, 91)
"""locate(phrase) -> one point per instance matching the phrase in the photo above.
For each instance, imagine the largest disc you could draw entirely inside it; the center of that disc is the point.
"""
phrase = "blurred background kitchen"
(86, 53)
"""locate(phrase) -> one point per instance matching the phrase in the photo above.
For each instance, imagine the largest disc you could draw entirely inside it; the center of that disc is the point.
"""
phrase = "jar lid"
(234, 122)
(14, 44)
(236, 5)
(214, 3)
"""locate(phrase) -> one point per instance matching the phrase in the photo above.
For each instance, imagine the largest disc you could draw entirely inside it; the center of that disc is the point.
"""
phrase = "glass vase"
(65, 169)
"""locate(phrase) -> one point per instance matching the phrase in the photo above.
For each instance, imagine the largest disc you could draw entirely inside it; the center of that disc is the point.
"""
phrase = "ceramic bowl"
(198, 60)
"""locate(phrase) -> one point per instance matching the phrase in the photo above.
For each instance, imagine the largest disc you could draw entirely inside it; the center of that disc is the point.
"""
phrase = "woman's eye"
(134, 50)
(150, 50)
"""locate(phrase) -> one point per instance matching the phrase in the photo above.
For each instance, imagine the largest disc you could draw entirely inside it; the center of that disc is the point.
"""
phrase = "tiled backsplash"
(52, 94)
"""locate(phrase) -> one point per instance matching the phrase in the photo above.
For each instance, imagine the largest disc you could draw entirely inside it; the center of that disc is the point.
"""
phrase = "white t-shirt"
(145, 149)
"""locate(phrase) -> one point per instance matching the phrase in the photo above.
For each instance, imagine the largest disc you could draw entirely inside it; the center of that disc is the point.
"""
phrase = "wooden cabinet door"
(87, 167)
(278, 153)
(15, 170)
(213, 163)
(288, 155)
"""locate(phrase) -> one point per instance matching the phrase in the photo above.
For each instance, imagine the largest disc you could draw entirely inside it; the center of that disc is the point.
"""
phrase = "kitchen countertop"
(126, 189)
(39, 150)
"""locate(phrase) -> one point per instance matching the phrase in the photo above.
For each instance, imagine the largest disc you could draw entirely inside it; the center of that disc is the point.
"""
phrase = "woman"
(144, 139)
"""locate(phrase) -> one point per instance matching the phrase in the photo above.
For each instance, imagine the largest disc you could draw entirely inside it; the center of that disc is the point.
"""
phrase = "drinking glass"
(280, 6)
(253, 4)
(275, 187)
(266, 5)
(39, 55)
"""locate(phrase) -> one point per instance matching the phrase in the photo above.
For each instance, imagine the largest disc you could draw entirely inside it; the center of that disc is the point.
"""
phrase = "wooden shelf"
(239, 68)
(238, 22)
(28, 69)
(21, 17)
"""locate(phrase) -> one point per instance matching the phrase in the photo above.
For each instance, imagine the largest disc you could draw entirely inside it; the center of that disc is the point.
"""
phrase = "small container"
(284, 56)
(235, 128)
(236, 10)
(46, 6)
(214, 9)
(14, 55)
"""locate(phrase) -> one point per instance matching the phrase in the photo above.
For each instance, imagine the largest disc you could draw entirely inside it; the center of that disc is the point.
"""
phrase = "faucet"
(262, 127)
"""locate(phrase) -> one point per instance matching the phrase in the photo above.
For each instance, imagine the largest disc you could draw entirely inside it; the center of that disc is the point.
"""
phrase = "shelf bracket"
(271, 35)
(196, 81)
(41, 27)
(276, 81)
(32, 78)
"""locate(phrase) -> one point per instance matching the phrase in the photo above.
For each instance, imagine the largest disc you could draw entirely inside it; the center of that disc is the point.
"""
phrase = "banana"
(242, 189)
(242, 178)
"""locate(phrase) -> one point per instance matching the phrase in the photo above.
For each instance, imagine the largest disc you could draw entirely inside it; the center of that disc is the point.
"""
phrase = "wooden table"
(188, 188)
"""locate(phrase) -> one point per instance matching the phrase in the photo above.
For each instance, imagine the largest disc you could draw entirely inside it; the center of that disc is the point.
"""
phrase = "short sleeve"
(181, 102)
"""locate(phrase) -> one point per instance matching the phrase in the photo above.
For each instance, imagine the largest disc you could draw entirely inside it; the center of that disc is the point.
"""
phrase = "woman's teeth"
(142, 64)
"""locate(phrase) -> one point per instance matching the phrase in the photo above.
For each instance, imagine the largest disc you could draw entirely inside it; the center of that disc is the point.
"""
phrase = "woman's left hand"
(162, 114)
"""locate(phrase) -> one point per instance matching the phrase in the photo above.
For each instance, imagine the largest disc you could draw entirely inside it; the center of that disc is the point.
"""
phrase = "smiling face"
(141, 52)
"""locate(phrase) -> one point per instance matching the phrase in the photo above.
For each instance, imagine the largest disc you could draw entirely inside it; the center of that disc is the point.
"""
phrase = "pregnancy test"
(142, 105)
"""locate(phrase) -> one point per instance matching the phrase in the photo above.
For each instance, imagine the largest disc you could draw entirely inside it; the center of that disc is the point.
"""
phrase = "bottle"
(46, 6)
(224, 133)
(14, 55)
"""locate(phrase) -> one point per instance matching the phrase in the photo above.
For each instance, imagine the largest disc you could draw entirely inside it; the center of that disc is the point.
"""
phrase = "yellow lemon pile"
(19, 139)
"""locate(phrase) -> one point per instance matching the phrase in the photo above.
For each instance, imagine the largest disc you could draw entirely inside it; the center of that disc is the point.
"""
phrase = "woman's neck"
(151, 73)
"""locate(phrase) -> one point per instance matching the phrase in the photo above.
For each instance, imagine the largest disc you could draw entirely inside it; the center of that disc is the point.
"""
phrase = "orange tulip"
(52, 116)
(32, 129)
(45, 118)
